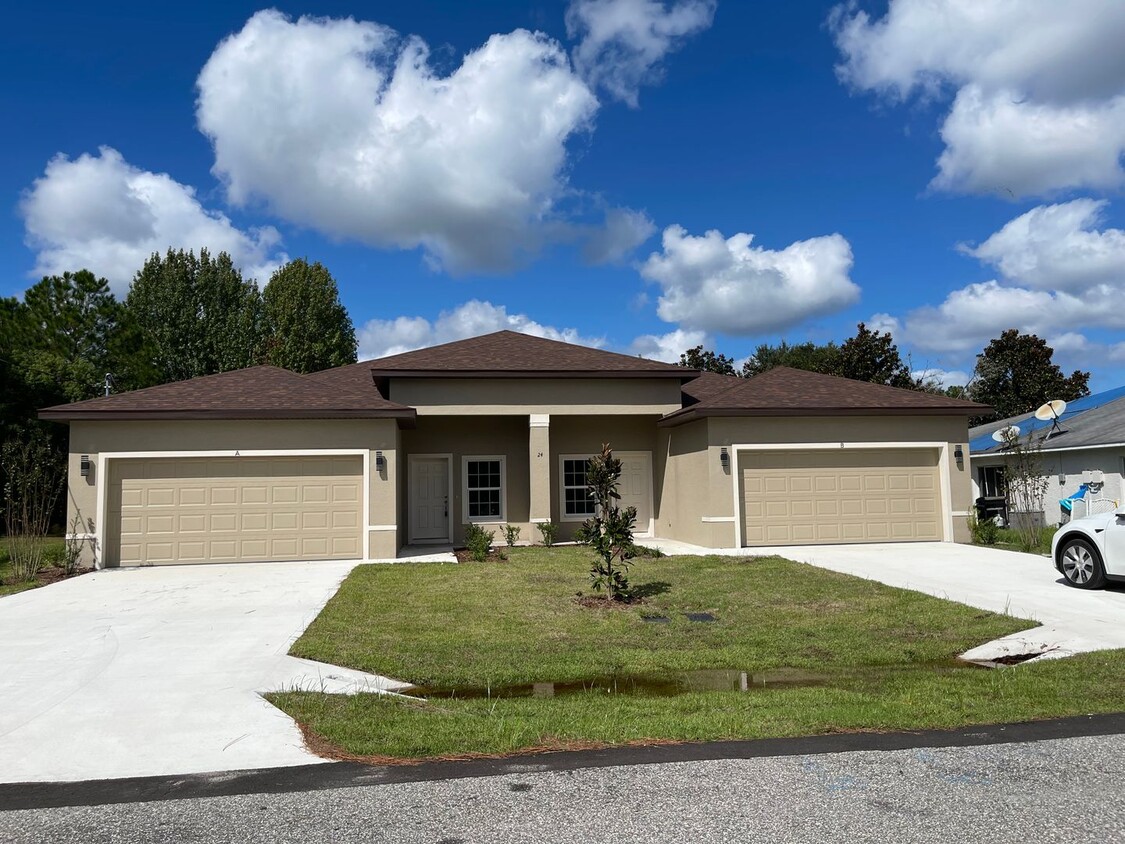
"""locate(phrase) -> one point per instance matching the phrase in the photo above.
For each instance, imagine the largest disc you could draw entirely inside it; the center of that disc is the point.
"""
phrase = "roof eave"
(62, 414)
(687, 414)
(683, 374)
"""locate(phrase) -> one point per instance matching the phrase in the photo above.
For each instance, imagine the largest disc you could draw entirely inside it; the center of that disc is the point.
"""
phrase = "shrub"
(647, 551)
(34, 476)
(610, 532)
(983, 532)
(478, 541)
(548, 530)
(511, 535)
(54, 556)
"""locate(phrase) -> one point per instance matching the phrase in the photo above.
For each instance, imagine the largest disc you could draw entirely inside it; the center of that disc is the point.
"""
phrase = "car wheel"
(1081, 565)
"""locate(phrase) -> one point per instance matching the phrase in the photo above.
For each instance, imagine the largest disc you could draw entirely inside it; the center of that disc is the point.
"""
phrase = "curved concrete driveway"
(132, 672)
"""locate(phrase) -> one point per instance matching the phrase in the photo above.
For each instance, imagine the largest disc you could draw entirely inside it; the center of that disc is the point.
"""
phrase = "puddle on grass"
(678, 682)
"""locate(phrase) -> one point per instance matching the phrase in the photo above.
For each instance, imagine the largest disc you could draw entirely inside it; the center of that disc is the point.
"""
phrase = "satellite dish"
(1004, 434)
(1051, 411)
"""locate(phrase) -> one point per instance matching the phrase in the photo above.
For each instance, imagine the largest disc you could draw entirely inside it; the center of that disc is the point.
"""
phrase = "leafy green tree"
(808, 356)
(610, 531)
(706, 360)
(1016, 373)
(306, 327)
(196, 316)
(871, 356)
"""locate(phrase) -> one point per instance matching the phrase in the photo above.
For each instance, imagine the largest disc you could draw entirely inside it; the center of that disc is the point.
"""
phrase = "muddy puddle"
(675, 683)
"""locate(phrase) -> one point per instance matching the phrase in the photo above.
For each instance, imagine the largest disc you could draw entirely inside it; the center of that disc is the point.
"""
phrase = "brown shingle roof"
(260, 392)
(794, 392)
(708, 385)
(512, 354)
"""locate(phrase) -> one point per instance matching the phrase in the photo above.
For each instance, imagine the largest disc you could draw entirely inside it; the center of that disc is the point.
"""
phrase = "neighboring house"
(1087, 447)
(360, 461)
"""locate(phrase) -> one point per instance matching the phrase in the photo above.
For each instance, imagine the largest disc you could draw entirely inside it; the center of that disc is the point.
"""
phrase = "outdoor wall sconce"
(380, 462)
(85, 465)
(724, 458)
(958, 454)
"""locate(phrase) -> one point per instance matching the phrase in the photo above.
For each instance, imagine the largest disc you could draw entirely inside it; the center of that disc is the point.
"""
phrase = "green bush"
(647, 551)
(54, 556)
(548, 530)
(478, 541)
(511, 535)
(983, 532)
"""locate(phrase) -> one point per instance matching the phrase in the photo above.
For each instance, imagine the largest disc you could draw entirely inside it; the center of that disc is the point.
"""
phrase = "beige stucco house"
(360, 461)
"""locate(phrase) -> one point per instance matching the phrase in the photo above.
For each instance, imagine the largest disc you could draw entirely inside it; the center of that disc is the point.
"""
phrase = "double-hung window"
(484, 489)
(577, 505)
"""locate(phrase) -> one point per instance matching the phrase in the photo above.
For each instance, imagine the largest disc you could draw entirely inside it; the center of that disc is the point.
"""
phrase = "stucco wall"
(96, 438)
(1072, 465)
(523, 396)
(687, 488)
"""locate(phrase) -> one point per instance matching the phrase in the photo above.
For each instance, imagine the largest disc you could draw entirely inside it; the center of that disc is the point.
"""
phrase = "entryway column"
(539, 452)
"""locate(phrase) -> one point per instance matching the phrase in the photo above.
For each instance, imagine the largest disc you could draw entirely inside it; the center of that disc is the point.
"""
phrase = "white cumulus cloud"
(668, 347)
(1040, 103)
(1057, 247)
(716, 284)
(344, 126)
(621, 43)
(379, 338)
(101, 213)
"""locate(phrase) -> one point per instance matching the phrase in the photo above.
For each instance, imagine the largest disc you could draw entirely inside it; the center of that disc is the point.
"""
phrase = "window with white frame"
(577, 505)
(484, 489)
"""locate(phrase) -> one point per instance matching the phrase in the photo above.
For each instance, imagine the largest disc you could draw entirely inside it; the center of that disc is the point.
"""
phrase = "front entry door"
(429, 499)
(635, 487)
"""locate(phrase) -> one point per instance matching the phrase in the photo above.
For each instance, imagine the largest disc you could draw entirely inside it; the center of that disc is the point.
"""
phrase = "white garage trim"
(943, 472)
(103, 480)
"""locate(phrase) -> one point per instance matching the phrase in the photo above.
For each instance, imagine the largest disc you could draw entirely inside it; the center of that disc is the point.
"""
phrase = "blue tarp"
(1068, 503)
(1073, 409)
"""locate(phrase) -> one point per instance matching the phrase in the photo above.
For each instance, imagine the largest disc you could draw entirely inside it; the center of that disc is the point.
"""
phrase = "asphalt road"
(1066, 790)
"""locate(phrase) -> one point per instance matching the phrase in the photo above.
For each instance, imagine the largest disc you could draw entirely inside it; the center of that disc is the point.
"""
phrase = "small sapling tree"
(610, 531)
(1026, 485)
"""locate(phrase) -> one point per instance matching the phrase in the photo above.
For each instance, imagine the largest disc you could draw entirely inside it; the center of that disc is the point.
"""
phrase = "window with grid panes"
(484, 488)
(576, 495)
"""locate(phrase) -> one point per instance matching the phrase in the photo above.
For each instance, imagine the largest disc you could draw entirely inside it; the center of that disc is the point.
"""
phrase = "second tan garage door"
(233, 509)
(849, 495)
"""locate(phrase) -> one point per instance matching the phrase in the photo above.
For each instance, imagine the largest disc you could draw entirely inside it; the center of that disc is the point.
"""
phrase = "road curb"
(319, 777)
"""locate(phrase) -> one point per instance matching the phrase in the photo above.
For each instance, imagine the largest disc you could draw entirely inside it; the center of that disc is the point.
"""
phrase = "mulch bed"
(54, 575)
(494, 556)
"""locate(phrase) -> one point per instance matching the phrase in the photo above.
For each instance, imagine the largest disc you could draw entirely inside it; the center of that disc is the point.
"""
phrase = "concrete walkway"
(1022, 585)
(135, 672)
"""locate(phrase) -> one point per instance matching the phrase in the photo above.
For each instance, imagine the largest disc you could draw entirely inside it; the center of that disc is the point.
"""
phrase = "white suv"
(1091, 550)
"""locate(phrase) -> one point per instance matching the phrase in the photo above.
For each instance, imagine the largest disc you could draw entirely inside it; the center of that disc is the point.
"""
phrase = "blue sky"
(565, 182)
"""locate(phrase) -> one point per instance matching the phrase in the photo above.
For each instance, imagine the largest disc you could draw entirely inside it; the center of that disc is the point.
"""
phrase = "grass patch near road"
(886, 653)
(376, 726)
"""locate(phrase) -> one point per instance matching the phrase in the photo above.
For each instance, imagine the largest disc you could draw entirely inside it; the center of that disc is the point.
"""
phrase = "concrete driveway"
(1022, 585)
(134, 672)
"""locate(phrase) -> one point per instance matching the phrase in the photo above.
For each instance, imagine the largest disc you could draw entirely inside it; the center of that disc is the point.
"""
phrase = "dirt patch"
(50, 575)
(463, 555)
(601, 602)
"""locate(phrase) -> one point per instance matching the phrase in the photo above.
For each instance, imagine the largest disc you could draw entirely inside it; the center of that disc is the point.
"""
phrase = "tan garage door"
(234, 509)
(852, 495)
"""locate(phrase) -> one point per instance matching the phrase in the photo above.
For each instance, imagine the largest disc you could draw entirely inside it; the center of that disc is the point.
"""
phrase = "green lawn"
(7, 585)
(887, 654)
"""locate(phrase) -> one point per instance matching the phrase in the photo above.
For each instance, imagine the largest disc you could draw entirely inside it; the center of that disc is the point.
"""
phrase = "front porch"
(519, 470)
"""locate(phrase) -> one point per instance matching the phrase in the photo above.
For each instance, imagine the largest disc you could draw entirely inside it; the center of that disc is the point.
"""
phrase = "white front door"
(635, 487)
(429, 499)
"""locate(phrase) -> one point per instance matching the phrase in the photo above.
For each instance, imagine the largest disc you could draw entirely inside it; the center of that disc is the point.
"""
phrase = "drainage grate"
(700, 616)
